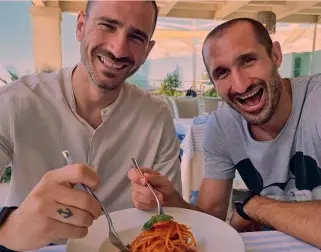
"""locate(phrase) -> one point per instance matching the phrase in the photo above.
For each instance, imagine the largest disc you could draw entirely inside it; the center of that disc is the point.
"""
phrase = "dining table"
(262, 241)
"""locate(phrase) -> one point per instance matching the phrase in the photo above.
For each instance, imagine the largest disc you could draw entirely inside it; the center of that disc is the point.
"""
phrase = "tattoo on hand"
(66, 214)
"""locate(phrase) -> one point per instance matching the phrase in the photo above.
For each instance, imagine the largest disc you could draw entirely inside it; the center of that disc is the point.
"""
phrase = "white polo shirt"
(38, 120)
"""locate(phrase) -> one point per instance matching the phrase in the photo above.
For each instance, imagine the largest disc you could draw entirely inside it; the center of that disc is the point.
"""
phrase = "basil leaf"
(157, 218)
(163, 217)
(148, 225)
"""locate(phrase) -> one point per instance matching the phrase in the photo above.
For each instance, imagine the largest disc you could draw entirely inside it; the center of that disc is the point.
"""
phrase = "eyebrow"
(246, 55)
(110, 20)
(139, 32)
(237, 59)
(121, 24)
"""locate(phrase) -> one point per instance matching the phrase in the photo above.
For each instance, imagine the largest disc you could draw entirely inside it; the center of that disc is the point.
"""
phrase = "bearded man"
(91, 111)
(270, 133)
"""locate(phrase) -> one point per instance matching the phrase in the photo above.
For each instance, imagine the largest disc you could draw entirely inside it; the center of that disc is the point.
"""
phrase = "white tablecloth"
(274, 241)
(269, 241)
(182, 125)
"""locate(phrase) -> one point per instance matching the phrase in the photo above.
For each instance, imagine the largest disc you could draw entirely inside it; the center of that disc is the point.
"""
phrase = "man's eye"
(137, 37)
(248, 61)
(108, 26)
(222, 74)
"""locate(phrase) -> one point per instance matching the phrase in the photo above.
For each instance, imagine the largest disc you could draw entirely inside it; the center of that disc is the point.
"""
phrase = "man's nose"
(240, 81)
(118, 46)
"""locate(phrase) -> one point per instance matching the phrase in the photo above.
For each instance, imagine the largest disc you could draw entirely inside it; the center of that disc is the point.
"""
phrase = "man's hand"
(242, 225)
(53, 210)
(141, 195)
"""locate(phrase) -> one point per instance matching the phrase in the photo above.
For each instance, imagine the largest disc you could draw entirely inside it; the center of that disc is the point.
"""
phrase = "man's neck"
(90, 99)
(274, 126)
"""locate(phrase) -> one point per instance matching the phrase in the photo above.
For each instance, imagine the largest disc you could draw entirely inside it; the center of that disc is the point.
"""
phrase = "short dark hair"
(90, 2)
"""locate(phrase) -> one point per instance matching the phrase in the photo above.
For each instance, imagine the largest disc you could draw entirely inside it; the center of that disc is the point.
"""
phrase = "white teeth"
(110, 63)
(254, 92)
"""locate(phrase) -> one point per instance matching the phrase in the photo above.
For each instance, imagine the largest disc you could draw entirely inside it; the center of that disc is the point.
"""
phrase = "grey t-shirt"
(286, 168)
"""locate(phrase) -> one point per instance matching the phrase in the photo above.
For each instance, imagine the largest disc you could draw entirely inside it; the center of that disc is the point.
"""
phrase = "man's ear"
(277, 54)
(149, 49)
(80, 27)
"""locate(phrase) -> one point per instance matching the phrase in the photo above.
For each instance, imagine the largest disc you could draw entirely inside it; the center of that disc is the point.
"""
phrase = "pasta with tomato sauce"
(163, 234)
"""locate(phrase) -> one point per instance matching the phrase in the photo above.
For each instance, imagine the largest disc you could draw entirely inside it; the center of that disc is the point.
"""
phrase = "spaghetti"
(163, 234)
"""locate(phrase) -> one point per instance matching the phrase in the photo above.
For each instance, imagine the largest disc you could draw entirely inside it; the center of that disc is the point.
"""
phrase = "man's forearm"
(178, 201)
(298, 219)
(186, 205)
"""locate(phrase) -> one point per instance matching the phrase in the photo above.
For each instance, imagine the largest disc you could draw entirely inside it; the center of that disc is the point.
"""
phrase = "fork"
(139, 171)
(113, 236)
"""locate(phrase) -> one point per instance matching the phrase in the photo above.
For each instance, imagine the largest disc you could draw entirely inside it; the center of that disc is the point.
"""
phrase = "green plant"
(205, 78)
(6, 176)
(211, 93)
(13, 77)
(170, 84)
(4, 81)
(47, 70)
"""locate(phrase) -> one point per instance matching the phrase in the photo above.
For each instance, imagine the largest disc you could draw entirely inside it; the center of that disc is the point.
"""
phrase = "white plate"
(211, 234)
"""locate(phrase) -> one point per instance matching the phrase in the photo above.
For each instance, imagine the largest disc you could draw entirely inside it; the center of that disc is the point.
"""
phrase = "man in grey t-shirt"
(270, 133)
(285, 167)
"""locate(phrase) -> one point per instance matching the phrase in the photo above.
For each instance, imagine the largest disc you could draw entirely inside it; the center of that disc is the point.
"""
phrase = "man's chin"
(109, 87)
(259, 118)
(110, 84)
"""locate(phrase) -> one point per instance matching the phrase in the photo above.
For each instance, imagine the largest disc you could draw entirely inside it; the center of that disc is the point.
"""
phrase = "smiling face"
(243, 72)
(115, 40)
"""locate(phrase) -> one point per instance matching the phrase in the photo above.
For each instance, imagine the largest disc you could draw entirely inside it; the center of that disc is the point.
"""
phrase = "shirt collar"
(70, 96)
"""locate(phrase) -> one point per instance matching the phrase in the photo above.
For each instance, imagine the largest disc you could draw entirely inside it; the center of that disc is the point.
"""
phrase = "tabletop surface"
(265, 241)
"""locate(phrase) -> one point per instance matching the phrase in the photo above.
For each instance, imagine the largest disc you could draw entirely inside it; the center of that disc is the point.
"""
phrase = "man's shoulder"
(225, 126)
(32, 86)
(310, 83)
(314, 83)
(143, 98)
(312, 101)
(311, 86)
(315, 78)
(34, 80)
(226, 119)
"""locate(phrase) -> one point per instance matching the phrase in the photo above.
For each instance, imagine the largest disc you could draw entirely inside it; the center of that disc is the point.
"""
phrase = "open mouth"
(111, 64)
(252, 98)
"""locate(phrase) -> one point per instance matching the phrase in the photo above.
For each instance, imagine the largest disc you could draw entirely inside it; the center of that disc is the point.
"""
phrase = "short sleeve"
(218, 163)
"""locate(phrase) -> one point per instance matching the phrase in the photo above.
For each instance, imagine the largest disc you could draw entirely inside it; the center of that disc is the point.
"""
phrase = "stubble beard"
(272, 94)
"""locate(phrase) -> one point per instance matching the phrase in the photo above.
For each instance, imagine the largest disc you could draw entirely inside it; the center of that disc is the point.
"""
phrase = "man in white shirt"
(90, 111)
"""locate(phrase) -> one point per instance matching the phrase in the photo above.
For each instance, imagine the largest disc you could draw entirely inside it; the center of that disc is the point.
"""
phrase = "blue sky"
(16, 37)
(16, 40)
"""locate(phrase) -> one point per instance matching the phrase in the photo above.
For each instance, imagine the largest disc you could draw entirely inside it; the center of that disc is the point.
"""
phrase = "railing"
(200, 86)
